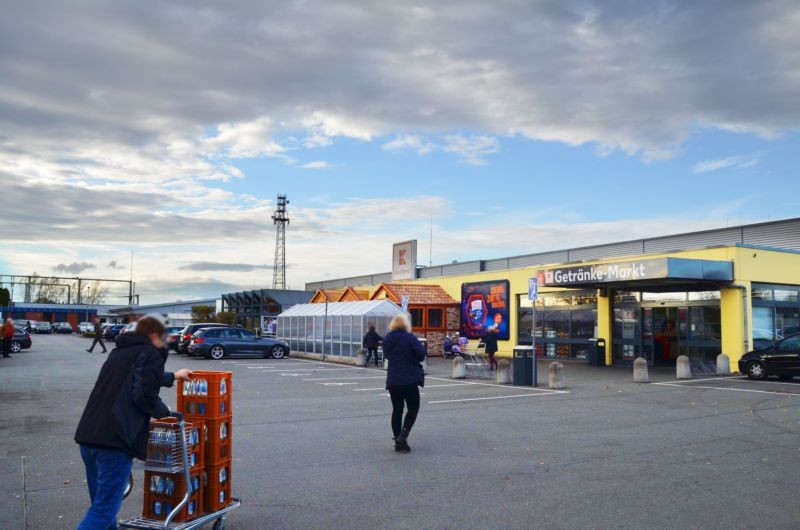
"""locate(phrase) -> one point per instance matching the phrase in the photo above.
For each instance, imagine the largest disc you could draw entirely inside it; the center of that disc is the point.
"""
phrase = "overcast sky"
(167, 129)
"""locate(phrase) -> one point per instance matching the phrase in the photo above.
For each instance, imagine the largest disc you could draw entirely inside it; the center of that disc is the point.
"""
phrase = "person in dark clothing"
(98, 335)
(403, 378)
(113, 429)
(8, 335)
(490, 340)
(371, 342)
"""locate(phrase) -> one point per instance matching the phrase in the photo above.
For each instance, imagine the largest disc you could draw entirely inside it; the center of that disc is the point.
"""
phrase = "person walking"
(490, 340)
(371, 342)
(8, 334)
(403, 378)
(98, 335)
(113, 429)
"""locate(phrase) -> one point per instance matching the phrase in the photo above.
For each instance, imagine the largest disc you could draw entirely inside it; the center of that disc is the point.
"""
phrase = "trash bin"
(424, 343)
(522, 366)
(597, 352)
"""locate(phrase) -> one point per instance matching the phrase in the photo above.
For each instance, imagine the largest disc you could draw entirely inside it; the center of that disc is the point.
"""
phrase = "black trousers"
(6, 346)
(408, 396)
(96, 340)
(372, 352)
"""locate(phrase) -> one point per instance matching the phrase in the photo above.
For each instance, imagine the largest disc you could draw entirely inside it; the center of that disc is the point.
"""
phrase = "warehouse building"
(698, 294)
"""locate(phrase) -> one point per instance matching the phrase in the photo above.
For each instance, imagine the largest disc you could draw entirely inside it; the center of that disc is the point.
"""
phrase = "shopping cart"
(477, 362)
(176, 461)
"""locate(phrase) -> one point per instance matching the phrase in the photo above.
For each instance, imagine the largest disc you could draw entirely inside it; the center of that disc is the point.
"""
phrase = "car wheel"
(756, 370)
(216, 352)
(16, 347)
(278, 352)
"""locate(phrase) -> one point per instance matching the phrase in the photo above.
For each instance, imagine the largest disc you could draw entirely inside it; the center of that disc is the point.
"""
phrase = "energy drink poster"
(484, 304)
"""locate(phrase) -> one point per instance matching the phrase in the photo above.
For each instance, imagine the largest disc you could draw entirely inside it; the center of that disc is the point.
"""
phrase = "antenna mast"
(280, 219)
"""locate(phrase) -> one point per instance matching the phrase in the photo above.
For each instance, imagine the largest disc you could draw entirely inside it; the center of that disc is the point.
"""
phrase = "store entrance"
(662, 326)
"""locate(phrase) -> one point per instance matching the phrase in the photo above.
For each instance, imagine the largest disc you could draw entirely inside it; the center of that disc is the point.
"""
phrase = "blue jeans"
(107, 473)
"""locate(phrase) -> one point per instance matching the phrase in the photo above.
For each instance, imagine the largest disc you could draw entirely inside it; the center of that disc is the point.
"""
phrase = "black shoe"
(90, 351)
(401, 443)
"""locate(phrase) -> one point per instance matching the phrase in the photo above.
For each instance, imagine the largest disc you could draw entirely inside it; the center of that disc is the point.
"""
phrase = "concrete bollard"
(640, 374)
(683, 368)
(723, 364)
(385, 363)
(503, 372)
(361, 358)
(459, 368)
(424, 364)
(556, 376)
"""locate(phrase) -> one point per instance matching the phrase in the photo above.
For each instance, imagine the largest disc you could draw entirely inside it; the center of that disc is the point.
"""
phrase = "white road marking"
(338, 384)
(498, 397)
(348, 378)
(293, 375)
(718, 378)
(294, 369)
(508, 387)
(384, 388)
(729, 389)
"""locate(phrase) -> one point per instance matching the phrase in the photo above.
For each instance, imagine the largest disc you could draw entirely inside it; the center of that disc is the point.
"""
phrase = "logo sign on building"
(404, 260)
(604, 273)
(484, 304)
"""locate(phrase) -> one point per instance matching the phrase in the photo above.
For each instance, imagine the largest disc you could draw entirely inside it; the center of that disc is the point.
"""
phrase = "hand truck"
(179, 464)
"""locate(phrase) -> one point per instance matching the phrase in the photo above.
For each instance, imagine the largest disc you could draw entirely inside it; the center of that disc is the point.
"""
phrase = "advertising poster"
(484, 304)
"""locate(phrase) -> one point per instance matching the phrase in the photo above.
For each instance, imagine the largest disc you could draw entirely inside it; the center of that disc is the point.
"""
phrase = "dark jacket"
(98, 329)
(490, 339)
(404, 353)
(371, 340)
(125, 397)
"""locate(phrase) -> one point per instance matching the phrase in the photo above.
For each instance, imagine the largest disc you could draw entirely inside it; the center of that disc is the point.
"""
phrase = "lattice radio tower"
(280, 218)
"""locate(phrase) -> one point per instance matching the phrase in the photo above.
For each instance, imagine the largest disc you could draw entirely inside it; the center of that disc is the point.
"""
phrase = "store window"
(435, 318)
(565, 321)
(417, 317)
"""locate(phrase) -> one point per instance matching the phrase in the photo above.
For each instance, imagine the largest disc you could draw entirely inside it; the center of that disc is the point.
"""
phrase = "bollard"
(556, 376)
(683, 368)
(459, 368)
(361, 358)
(424, 364)
(723, 364)
(640, 374)
(385, 363)
(503, 372)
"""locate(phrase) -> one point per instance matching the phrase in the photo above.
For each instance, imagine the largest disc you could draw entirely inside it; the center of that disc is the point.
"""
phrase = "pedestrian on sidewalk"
(490, 340)
(98, 335)
(8, 334)
(113, 429)
(371, 342)
(403, 378)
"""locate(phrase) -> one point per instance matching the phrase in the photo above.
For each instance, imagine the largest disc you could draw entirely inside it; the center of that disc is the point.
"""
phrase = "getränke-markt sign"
(605, 272)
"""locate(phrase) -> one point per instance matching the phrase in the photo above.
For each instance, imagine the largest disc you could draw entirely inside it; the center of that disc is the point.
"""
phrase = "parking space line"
(346, 378)
(497, 397)
(426, 387)
(730, 389)
(718, 378)
(296, 369)
(507, 387)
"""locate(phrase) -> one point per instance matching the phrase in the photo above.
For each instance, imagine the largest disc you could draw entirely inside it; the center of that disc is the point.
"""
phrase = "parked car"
(219, 342)
(111, 332)
(764, 338)
(21, 340)
(63, 327)
(42, 327)
(781, 359)
(188, 331)
(85, 327)
(173, 337)
(22, 324)
(130, 326)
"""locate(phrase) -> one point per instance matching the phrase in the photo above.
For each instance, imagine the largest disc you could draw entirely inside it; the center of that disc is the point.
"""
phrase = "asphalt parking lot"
(312, 448)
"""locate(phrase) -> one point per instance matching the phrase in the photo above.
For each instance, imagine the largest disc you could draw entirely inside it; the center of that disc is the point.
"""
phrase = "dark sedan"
(63, 327)
(781, 359)
(173, 337)
(112, 332)
(216, 343)
(188, 332)
(21, 341)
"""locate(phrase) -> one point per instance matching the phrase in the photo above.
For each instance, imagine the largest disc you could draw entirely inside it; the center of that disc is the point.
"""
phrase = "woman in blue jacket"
(403, 378)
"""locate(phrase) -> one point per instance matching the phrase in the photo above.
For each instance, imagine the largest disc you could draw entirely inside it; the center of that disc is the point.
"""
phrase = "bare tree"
(47, 290)
(95, 293)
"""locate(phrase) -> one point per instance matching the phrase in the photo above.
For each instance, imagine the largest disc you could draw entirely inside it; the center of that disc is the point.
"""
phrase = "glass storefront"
(662, 326)
(776, 313)
(565, 321)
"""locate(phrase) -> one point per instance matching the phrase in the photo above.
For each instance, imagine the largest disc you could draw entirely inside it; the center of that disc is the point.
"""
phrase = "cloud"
(74, 267)
(113, 265)
(412, 142)
(732, 162)
(472, 149)
(205, 266)
(317, 164)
